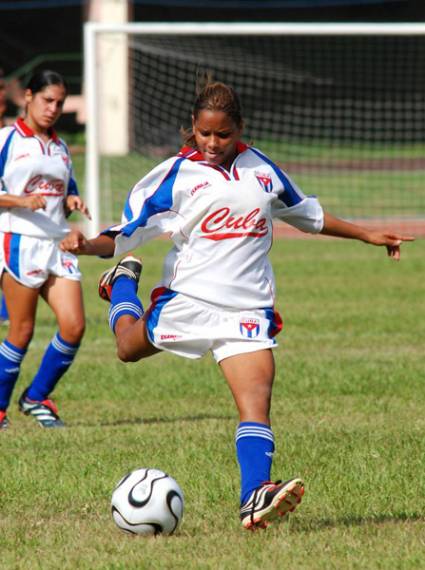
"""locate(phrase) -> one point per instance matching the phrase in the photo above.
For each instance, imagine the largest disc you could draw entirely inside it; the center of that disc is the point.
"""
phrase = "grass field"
(348, 416)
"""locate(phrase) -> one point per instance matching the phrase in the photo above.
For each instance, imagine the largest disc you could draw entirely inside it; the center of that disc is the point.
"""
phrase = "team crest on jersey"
(250, 328)
(265, 181)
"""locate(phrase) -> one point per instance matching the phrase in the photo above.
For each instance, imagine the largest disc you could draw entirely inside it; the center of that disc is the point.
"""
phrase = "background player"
(217, 198)
(36, 187)
(4, 317)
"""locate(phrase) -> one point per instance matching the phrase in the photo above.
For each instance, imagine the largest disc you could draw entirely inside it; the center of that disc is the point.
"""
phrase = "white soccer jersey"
(28, 166)
(220, 223)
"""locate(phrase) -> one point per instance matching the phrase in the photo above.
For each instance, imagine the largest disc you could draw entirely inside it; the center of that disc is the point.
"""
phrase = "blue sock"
(3, 310)
(10, 363)
(124, 301)
(255, 447)
(57, 359)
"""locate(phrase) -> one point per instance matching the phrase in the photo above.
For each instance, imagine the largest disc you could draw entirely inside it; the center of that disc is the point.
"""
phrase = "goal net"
(341, 108)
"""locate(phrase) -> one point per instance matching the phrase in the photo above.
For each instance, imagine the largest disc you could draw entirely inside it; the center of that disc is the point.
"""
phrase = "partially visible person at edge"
(4, 317)
(217, 199)
(8, 90)
(37, 191)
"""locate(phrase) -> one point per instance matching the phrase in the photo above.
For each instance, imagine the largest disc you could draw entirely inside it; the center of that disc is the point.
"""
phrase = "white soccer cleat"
(270, 501)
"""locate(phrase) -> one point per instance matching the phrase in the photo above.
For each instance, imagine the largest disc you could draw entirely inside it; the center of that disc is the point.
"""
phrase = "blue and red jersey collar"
(196, 156)
(26, 131)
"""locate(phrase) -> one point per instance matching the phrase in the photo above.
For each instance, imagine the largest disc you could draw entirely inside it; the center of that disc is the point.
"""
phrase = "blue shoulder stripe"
(160, 201)
(4, 152)
(289, 196)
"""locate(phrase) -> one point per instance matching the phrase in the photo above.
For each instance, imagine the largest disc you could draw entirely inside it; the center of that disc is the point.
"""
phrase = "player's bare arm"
(336, 227)
(35, 202)
(77, 243)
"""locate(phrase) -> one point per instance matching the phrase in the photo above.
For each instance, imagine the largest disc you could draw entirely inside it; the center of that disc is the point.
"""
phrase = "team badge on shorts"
(250, 328)
(68, 264)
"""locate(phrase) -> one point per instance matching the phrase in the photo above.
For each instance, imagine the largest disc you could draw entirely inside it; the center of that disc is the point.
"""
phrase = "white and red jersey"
(220, 222)
(28, 165)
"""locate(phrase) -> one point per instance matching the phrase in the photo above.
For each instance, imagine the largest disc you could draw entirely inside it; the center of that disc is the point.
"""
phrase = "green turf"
(347, 414)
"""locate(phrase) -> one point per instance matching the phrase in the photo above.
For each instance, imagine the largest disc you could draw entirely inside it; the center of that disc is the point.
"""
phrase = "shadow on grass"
(355, 520)
(154, 420)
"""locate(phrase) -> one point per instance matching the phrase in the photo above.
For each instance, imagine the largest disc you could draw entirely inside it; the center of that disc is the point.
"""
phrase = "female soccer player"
(37, 190)
(216, 198)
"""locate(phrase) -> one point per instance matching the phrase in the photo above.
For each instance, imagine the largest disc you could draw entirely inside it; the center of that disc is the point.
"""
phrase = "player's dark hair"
(214, 96)
(44, 78)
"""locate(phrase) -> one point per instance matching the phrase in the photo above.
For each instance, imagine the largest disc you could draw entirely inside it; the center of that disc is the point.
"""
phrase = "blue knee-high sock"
(124, 301)
(57, 359)
(10, 363)
(255, 447)
(3, 309)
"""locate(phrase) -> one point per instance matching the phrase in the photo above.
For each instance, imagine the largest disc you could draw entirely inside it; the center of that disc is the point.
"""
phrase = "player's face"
(44, 107)
(216, 136)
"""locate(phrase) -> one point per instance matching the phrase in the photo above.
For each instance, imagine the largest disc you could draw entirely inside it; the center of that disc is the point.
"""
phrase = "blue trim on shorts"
(154, 311)
(14, 254)
(273, 326)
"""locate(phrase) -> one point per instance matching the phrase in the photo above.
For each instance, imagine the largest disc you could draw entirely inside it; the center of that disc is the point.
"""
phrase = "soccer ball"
(147, 502)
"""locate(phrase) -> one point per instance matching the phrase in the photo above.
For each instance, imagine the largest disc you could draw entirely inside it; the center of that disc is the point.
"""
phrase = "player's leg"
(119, 286)
(132, 339)
(22, 303)
(64, 296)
(4, 315)
(250, 378)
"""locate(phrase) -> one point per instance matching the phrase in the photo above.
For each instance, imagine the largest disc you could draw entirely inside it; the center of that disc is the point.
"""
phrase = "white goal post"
(114, 94)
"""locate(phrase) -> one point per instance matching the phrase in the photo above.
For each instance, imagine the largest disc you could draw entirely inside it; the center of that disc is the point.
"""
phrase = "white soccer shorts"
(189, 327)
(31, 260)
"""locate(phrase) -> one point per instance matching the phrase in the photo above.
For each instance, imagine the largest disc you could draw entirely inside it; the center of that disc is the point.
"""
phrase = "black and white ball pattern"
(147, 502)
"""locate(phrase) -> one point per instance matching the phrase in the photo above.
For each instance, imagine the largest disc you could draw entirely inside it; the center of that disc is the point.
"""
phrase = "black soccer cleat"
(130, 267)
(270, 501)
(45, 411)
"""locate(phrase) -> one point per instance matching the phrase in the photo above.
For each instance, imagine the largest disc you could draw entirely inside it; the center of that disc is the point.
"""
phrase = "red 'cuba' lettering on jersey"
(215, 225)
(39, 185)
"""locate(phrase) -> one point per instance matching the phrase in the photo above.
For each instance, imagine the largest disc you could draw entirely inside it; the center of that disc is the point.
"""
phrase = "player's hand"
(74, 203)
(391, 241)
(34, 202)
(75, 242)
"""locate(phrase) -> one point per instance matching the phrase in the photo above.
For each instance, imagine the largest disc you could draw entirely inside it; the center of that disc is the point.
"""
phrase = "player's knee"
(73, 332)
(21, 336)
(256, 401)
(125, 353)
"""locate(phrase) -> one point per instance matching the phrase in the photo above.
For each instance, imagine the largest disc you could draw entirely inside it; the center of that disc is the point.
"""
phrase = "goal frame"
(93, 29)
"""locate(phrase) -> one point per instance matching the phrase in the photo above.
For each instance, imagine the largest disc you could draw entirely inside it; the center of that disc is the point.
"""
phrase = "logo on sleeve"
(265, 181)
